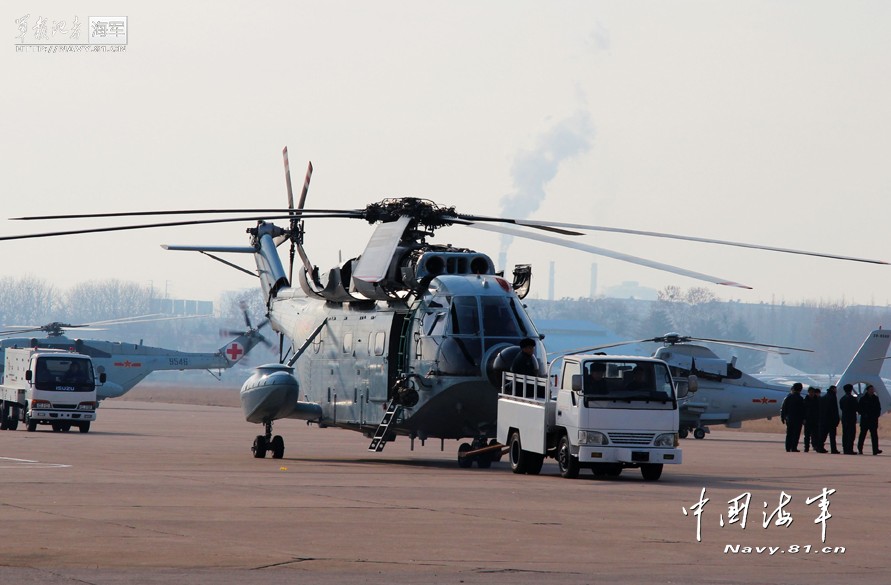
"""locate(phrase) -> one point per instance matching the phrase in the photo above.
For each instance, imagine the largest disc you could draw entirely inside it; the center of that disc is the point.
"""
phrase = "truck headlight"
(592, 438)
(86, 406)
(666, 440)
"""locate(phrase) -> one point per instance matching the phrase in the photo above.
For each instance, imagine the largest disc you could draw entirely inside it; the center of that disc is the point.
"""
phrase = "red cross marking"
(235, 352)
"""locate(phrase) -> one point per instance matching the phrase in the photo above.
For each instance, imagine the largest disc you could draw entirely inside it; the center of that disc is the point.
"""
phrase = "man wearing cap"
(829, 420)
(792, 415)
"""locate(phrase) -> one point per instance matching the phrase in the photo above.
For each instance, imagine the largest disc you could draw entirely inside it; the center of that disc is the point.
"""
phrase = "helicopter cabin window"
(380, 339)
(347, 342)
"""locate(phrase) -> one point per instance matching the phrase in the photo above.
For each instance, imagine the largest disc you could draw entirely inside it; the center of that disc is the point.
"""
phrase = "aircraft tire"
(698, 434)
(277, 445)
(65, 427)
(682, 433)
(259, 447)
(518, 457)
(464, 462)
(651, 471)
(12, 418)
(568, 463)
(3, 416)
(57, 427)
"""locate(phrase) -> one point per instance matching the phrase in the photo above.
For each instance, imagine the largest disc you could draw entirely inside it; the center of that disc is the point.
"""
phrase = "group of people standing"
(820, 417)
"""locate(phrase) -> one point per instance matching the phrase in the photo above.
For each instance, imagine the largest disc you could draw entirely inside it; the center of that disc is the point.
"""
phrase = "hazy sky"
(762, 122)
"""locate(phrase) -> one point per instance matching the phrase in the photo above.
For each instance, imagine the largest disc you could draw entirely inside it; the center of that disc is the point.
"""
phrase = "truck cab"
(605, 413)
(47, 386)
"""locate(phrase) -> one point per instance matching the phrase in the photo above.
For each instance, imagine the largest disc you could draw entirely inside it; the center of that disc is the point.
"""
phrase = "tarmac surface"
(170, 493)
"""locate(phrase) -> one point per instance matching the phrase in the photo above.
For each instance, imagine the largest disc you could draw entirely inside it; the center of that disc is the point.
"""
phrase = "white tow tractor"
(605, 413)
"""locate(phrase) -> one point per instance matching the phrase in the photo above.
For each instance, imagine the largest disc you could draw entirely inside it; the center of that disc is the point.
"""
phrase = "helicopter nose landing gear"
(267, 442)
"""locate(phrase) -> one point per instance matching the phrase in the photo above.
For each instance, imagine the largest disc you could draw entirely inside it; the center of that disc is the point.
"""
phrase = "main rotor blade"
(158, 225)
(747, 344)
(276, 210)
(534, 223)
(375, 260)
(607, 253)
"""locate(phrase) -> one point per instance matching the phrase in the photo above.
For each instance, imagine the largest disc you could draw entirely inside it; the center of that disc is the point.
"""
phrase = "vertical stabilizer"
(867, 364)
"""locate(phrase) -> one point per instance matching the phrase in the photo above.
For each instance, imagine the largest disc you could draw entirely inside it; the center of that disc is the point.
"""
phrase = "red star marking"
(764, 400)
(127, 364)
(234, 352)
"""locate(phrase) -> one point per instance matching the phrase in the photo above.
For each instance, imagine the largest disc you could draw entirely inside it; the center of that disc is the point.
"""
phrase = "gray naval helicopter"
(127, 364)
(407, 339)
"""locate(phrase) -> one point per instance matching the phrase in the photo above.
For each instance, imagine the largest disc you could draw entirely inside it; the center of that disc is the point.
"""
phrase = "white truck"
(48, 386)
(602, 412)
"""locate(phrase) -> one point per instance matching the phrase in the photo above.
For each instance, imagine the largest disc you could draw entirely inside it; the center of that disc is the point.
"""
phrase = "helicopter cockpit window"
(465, 316)
(499, 318)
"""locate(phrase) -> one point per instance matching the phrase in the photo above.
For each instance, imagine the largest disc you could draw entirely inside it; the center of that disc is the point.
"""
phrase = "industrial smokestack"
(593, 292)
(551, 282)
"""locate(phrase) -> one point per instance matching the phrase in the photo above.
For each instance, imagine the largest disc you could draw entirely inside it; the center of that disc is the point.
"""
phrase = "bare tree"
(27, 300)
(100, 300)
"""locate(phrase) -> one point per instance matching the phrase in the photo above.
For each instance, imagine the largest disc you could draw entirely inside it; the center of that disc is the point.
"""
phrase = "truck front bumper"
(633, 455)
(62, 415)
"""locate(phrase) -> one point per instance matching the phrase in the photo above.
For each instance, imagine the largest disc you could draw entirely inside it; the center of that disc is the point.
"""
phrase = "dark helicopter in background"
(409, 338)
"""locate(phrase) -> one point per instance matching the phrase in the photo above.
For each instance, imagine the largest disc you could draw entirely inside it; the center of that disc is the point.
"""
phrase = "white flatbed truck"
(48, 387)
(605, 413)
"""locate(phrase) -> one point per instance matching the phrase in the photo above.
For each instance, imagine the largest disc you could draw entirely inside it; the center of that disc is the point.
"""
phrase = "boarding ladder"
(394, 409)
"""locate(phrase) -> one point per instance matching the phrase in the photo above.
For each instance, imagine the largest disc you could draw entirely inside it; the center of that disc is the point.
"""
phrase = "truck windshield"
(625, 381)
(64, 374)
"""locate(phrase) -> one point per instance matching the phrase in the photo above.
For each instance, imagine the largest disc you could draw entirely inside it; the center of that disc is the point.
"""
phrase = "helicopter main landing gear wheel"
(483, 460)
(699, 433)
(264, 443)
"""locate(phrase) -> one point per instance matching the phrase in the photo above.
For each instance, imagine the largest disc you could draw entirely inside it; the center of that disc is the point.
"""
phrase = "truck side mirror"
(577, 382)
(28, 375)
(102, 378)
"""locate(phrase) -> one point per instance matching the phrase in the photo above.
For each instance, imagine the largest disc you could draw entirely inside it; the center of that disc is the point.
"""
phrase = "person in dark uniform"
(811, 418)
(870, 409)
(829, 420)
(525, 362)
(595, 383)
(848, 405)
(792, 415)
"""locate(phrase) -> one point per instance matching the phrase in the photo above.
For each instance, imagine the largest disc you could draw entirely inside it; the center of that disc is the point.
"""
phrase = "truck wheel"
(32, 425)
(568, 463)
(3, 414)
(682, 433)
(534, 461)
(12, 418)
(83, 427)
(518, 459)
(651, 471)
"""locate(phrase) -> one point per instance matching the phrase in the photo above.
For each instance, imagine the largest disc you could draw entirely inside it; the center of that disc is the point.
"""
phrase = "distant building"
(181, 307)
(631, 289)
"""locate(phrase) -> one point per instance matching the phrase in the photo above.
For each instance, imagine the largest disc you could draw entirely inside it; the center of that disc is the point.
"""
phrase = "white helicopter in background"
(407, 339)
(728, 396)
(127, 364)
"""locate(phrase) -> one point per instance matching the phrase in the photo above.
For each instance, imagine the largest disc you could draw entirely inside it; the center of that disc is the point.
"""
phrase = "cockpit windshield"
(64, 374)
(627, 381)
